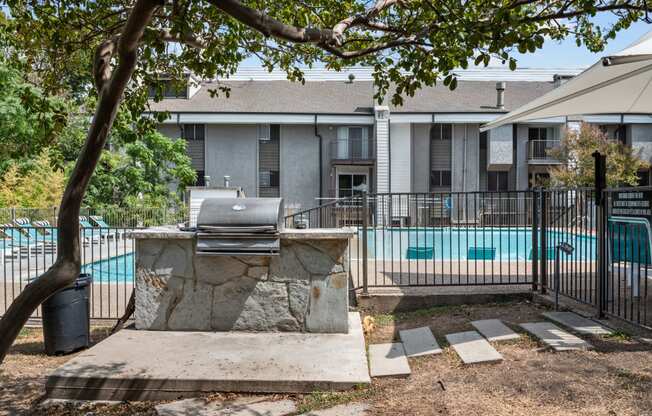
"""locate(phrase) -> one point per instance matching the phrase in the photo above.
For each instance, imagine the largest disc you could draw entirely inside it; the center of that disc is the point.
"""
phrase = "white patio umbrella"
(617, 84)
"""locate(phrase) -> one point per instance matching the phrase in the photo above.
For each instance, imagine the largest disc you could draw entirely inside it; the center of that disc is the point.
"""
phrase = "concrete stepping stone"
(247, 406)
(577, 323)
(473, 348)
(555, 337)
(494, 330)
(419, 341)
(388, 360)
(351, 409)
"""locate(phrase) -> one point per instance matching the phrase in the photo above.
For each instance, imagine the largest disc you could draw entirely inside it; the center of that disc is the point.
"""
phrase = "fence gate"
(627, 273)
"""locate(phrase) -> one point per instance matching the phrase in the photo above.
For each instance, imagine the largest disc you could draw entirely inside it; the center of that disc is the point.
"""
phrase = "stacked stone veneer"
(304, 289)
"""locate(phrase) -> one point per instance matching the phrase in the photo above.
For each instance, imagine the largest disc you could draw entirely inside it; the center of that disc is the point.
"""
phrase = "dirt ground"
(615, 379)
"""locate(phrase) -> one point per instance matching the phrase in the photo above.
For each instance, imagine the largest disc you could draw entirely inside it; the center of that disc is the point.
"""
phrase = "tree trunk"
(111, 86)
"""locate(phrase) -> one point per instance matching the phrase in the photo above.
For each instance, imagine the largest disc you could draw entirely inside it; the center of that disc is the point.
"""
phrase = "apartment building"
(328, 138)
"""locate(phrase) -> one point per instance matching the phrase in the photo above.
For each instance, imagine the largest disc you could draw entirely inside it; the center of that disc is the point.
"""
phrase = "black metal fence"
(28, 247)
(554, 240)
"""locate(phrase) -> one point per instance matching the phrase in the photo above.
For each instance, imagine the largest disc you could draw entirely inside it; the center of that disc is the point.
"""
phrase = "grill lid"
(239, 226)
(240, 215)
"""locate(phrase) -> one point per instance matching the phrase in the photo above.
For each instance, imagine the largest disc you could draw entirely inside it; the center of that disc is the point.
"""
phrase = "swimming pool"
(450, 243)
(118, 269)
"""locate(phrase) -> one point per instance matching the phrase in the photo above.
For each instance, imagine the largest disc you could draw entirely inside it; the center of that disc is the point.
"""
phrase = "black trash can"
(66, 318)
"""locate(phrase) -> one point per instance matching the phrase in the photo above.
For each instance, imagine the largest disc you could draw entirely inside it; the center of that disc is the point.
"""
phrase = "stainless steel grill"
(239, 226)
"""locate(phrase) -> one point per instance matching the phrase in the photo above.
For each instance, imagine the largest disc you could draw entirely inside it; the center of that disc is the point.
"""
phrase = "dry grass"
(616, 379)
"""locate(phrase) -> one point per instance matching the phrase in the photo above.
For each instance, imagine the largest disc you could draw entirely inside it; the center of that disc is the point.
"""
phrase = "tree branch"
(269, 26)
(186, 39)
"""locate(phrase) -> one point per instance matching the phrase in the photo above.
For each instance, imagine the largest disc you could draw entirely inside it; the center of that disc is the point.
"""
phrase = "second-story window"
(269, 178)
(194, 135)
(441, 136)
(170, 89)
(352, 143)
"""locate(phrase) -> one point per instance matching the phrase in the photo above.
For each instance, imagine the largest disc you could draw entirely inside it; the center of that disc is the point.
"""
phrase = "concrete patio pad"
(473, 348)
(495, 330)
(387, 360)
(555, 337)
(419, 341)
(577, 323)
(163, 365)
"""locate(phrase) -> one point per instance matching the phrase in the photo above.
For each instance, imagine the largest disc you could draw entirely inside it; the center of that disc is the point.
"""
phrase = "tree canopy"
(40, 139)
(409, 44)
(577, 167)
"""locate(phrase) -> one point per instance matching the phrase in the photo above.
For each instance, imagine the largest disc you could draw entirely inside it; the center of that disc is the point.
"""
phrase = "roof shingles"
(338, 97)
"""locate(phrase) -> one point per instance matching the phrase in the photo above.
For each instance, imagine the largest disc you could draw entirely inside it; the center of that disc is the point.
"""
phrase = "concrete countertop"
(171, 232)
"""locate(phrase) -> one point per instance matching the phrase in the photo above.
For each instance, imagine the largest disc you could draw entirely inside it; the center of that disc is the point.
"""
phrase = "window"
(269, 177)
(537, 133)
(497, 181)
(441, 136)
(440, 179)
(169, 89)
(351, 184)
(352, 143)
(194, 135)
(441, 132)
(193, 131)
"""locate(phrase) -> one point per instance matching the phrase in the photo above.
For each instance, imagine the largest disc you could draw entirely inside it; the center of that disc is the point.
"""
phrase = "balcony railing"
(353, 150)
(538, 151)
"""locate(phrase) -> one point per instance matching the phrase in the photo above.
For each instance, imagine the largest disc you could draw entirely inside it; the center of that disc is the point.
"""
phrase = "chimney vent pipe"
(500, 94)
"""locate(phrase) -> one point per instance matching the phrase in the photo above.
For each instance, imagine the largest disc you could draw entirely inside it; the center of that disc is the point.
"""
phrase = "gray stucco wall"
(465, 166)
(421, 158)
(299, 166)
(232, 150)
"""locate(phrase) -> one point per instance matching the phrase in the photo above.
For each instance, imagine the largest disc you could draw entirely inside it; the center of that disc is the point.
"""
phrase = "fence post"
(365, 227)
(601, 213)
(543, 241)
(535, 240)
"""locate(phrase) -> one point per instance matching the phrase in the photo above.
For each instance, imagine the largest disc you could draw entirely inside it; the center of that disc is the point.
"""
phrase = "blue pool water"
(455, 243)
(118, 269)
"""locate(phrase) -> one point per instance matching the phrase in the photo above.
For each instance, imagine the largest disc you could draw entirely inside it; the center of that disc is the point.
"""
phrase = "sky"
(566, 54)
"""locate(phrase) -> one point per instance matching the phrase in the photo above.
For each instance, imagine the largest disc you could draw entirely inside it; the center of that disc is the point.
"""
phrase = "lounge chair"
(23, 242)
(31, 230)
(99, 221)
(93, 234)
(6, 247)
(46, 229)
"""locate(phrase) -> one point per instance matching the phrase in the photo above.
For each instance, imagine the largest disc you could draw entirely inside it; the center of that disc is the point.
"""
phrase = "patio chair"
(6, 247)
(46, 229)
(31, 230)
(93, 234)
(23, 242)
(99, 221)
